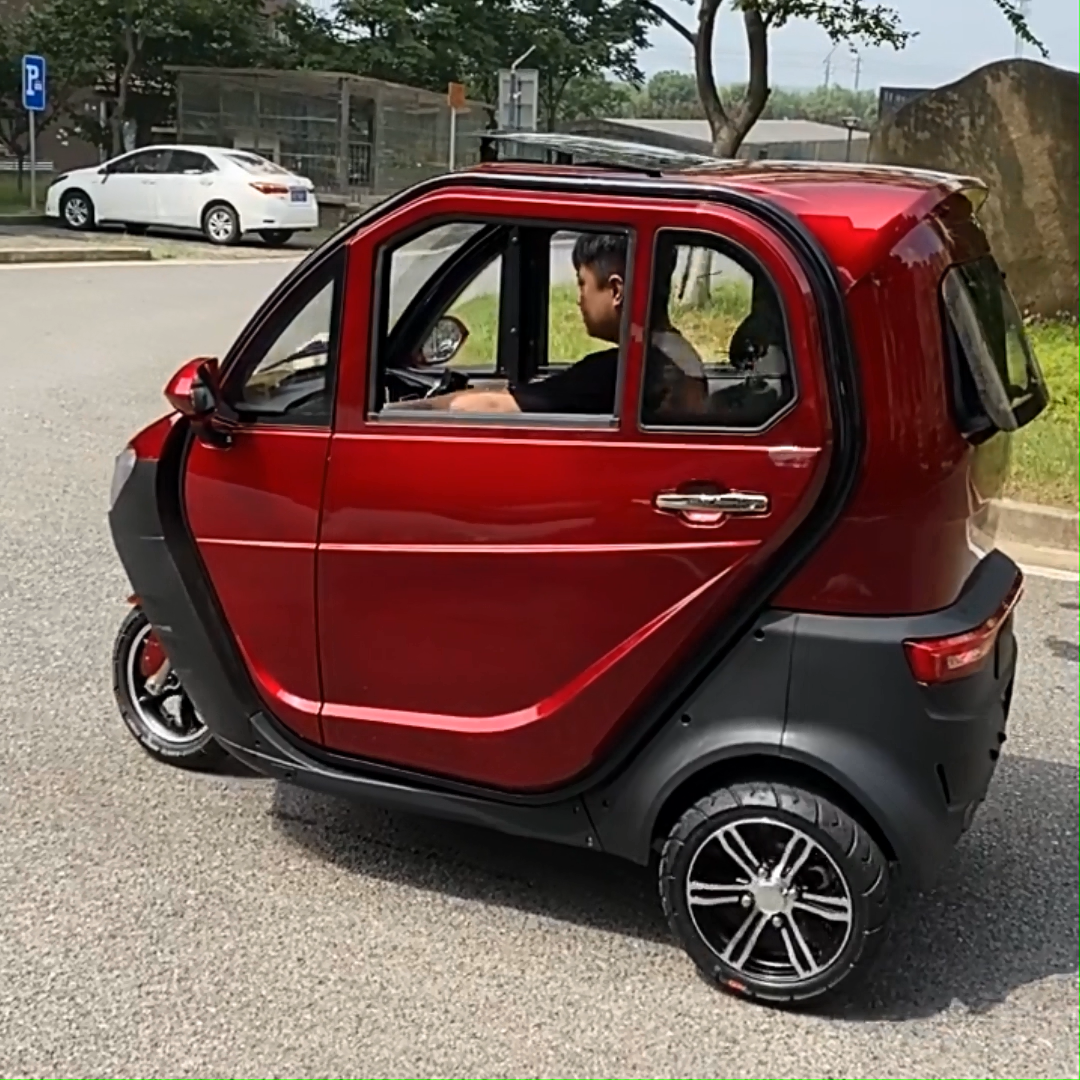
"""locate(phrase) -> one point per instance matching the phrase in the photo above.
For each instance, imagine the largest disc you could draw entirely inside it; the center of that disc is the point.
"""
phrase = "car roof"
(857, 212)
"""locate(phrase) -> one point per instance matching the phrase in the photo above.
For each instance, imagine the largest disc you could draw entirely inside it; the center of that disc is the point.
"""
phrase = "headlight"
(122, 470)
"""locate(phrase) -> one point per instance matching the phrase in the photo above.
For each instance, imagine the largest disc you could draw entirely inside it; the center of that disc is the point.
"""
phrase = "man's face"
(600, 305)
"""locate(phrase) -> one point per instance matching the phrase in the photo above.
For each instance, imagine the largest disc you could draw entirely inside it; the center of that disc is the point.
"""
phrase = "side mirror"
(194, 390)
(445, 341)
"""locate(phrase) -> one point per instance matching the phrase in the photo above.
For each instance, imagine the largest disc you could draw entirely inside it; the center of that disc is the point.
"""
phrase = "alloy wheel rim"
(220, 225)
(76, 211)
(178, 726)
(769, 900)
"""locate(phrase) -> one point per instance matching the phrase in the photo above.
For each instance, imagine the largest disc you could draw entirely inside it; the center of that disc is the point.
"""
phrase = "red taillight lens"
(269, 189)
(940, 660)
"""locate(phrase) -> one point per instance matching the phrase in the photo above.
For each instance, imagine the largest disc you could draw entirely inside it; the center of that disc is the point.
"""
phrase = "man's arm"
(473, 401)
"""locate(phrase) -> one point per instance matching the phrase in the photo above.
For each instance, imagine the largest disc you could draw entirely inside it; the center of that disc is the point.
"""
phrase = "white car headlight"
(122, 470)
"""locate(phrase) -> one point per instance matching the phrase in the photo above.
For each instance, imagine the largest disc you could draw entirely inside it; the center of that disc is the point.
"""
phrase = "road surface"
(163, 924)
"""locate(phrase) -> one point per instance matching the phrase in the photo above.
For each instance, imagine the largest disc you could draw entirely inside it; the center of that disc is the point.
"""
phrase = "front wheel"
(77, 210)
(154, 705)
(776, 894)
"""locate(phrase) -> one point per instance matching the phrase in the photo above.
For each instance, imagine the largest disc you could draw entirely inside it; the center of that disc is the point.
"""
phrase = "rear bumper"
(918, 759)
(279, 213)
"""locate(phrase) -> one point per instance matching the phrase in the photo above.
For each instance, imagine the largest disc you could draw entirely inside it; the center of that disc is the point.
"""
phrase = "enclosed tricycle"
(639, 510)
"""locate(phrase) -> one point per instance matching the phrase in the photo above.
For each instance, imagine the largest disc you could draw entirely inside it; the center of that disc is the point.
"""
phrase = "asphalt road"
(154, 923)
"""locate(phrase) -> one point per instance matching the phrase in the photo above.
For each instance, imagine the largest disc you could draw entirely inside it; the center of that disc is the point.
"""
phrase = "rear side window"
(996, 379)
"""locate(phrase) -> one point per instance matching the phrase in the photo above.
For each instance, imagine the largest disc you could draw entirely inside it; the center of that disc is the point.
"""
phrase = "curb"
(1030, 525)
(21, 256)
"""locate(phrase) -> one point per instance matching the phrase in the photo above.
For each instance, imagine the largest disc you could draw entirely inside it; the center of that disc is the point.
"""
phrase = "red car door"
(253, 506)
(498, 594)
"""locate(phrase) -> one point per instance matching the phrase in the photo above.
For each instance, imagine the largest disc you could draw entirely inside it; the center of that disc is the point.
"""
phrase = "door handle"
(711, 507)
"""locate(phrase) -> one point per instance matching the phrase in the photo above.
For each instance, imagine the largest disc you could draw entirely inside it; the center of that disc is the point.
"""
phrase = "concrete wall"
(1013, 124)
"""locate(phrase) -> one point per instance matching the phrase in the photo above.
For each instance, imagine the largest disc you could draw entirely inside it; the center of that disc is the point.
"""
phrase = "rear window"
(998, 384)
(255, 164)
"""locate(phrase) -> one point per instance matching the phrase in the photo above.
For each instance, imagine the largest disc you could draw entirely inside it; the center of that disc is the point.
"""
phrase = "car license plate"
(298, 194)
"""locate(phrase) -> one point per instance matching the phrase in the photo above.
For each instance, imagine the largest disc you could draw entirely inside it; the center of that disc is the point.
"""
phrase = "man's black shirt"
(589, 386)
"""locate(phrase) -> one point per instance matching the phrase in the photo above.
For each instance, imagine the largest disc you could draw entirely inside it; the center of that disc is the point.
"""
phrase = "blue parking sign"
(33, 83)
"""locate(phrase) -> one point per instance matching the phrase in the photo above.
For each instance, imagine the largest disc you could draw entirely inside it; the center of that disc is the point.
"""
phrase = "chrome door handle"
(718, 503)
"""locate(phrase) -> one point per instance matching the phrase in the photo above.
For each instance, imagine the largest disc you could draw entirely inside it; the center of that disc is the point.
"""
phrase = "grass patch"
(1044, 454)
(14, 201)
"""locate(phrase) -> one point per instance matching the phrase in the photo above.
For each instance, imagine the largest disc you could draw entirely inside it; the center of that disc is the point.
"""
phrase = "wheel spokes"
(739, 852)
(799, 953)
(706, 894)
(746, 937)
(830, 908)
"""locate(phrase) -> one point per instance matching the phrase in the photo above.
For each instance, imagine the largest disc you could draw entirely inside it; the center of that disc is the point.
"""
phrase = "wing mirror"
(445, 341)
(195, 392)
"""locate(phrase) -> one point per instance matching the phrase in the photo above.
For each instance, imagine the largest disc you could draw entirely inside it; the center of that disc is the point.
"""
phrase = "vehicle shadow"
(1003, 915)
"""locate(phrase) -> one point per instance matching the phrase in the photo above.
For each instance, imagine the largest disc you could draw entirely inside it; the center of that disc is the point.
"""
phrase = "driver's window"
(292, 383)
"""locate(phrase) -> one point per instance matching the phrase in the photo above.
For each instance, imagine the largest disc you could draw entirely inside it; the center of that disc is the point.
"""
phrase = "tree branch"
(703, 67)
(757, 89)
(666, 16)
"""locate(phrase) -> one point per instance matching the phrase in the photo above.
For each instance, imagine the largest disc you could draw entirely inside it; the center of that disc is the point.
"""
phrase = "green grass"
(1044, 454)
(13, 201)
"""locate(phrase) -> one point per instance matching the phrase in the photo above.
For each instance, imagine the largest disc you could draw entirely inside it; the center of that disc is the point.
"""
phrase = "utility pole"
(858, 67)
(515, 85)
(828, 67)
(1018, 45)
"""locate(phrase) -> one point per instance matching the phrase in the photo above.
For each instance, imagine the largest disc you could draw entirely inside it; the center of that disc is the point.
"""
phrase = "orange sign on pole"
(455, 97)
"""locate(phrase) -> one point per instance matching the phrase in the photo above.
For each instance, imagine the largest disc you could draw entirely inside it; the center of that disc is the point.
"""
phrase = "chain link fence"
(354, 137)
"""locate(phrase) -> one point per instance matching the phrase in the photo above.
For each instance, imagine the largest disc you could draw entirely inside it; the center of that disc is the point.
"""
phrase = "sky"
(954, 37)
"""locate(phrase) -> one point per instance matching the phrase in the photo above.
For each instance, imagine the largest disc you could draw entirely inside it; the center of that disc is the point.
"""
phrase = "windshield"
(255, 164)
(993, 345)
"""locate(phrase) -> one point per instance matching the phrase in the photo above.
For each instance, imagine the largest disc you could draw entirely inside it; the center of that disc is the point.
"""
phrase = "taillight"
(269, 189)
(945, 659)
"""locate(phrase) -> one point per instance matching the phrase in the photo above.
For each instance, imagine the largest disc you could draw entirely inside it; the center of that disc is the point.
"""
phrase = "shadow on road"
(1003, 915)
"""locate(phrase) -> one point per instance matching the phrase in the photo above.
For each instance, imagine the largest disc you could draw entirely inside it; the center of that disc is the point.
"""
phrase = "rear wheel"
(221, 224)
(276, 237)
(77, 210)
(153, 703)
(776, 894)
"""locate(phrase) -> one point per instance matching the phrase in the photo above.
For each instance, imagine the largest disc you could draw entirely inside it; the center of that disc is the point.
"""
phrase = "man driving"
(675, 380)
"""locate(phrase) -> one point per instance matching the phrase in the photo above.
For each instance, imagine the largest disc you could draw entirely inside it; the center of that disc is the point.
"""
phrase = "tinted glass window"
(145, 162)
(292, 381)
(999, 378)
(188, 161)
(719, 350)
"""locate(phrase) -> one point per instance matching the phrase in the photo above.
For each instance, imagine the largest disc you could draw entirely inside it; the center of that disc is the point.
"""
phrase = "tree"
(125, 47)
(34, 31)
(843, 20)
(434, 42)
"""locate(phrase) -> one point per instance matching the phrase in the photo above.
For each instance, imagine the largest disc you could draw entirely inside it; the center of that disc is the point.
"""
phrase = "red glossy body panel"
(902, 545)
(149, 443)
(495, 601)
(254, 511)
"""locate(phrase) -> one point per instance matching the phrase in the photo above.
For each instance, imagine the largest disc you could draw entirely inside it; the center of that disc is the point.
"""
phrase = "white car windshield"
(255, 164)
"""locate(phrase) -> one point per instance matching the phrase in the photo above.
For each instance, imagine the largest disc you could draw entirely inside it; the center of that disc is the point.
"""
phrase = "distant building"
(791, 140)
(891, 98)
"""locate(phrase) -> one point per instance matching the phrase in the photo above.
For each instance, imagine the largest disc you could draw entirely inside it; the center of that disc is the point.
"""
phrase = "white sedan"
(221, 192)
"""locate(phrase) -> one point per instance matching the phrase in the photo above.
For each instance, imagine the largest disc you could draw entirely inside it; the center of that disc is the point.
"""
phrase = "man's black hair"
(604, 253)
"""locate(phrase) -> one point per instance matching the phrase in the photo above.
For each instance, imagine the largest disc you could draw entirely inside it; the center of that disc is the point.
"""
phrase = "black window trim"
(979, 426)
(470, 421)
(745, 255)
(253, 349)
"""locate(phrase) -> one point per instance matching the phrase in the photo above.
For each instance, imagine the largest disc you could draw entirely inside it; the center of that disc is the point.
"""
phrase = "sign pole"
(34, 100)
(33, 161)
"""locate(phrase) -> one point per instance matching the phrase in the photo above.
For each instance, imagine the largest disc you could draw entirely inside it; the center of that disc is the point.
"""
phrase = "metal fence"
(352, 136)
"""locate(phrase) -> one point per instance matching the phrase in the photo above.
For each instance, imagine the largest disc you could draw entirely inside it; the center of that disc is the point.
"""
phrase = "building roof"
(764, 132)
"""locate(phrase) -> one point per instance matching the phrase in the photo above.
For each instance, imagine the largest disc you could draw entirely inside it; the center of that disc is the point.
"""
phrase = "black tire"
(847, 875)
(77, 210)
(276, 237)
(221, 224)
(187, 745)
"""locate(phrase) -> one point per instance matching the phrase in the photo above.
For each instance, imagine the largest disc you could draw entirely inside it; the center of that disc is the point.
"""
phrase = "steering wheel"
(449, 381)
